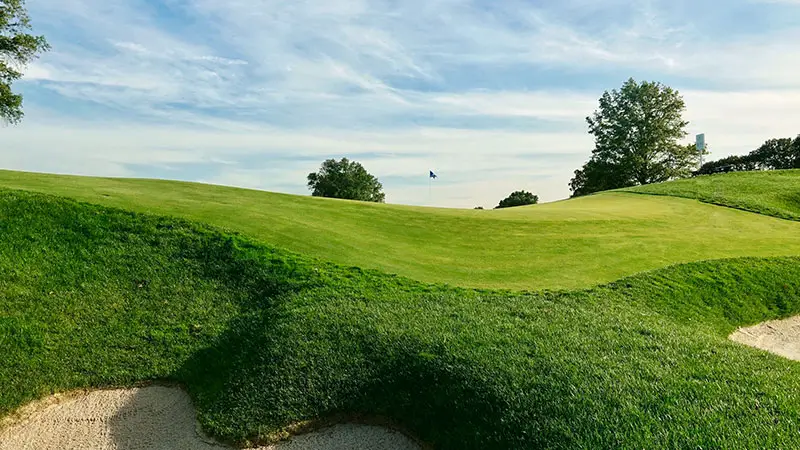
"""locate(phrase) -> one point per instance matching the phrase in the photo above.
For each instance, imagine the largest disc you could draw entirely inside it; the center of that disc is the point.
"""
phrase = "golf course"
(596, 322)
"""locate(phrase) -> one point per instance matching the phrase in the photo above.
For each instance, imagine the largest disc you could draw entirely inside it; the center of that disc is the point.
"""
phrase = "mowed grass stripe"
(562, 245)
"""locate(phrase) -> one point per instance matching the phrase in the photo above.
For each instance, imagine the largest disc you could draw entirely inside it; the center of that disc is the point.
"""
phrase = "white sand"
(157, 417)
(781, 337)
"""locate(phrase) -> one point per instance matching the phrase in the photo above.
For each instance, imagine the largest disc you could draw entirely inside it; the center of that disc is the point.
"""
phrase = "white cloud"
(229, 81)
(738, 122)
(564, 105)
(456, 154)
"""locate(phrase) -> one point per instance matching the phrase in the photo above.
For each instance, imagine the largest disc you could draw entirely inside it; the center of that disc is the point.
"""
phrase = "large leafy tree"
(345, 179)
(17, 49)
(518, 198)
(636, 131)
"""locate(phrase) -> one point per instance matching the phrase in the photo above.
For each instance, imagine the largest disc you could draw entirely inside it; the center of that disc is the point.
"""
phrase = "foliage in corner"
(17, 49)
(347, 180)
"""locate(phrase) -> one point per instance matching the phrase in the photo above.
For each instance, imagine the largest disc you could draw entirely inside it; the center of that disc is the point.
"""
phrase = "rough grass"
(563, 245)
(775, 193)
(91, 296)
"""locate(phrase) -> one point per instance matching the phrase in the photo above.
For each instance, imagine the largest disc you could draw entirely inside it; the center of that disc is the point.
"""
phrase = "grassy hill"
(93, 296)
(775, 193)
(563, 245)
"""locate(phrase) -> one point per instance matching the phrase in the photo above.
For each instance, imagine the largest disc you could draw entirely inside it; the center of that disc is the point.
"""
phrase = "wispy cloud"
(492, 94)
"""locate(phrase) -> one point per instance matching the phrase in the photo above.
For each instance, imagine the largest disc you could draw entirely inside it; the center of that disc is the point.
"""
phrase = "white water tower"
(700, 144)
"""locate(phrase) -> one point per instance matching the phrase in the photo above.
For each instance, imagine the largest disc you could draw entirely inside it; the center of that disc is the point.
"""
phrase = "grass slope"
(774, 193)
(563, 245)
(91, 296)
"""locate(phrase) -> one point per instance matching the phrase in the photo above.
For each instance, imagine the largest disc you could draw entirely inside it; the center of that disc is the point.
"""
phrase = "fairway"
(562, 245)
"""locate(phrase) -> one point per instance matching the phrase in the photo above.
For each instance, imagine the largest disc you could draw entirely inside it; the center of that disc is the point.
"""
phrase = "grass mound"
(774, 193)
(564, 245)
(91, 296)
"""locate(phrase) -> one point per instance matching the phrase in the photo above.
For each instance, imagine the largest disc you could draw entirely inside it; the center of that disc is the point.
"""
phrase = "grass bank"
(564, 245)
(262, 338)
(774, 193)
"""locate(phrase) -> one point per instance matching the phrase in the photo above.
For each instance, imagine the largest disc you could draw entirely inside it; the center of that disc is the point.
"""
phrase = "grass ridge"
(773, 193)
(765, 211)
(564, 245)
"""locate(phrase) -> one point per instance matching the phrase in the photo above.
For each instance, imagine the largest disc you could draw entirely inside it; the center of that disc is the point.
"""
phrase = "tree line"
(773, 154)
(638, 131)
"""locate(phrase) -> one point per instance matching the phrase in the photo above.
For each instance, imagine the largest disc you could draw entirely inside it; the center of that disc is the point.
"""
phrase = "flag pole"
(431, 177)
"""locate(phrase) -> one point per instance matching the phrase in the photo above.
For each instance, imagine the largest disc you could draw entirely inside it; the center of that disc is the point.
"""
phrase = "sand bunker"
(781, 337)
(158, 417)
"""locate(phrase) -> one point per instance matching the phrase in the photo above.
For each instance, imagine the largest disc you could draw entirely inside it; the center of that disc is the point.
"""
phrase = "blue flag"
(433, 175)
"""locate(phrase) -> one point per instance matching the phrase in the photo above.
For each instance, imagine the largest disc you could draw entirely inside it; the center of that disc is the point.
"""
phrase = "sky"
(490, 95)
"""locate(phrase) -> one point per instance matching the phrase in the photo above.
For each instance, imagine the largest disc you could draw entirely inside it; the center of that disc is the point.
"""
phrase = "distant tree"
(729, 164)
(478, 207)
(636, 131)
(345, 179)
(17, 49)
(773, 154)
(685, 160)
(518, 198)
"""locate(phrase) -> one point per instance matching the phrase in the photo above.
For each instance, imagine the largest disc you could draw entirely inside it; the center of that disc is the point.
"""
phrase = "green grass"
(775, 193)
(563, 245)
(261, 338)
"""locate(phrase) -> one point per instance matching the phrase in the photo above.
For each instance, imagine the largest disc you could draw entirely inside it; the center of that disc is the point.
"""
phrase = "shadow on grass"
(268, 373)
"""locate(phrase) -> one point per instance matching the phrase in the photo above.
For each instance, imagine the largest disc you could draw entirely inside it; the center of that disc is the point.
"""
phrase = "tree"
(636, 131)
(518, 198)
(345, 179)
(17, 49)
(595, 176)
(773, 154)
(795, 150)
(729, 164)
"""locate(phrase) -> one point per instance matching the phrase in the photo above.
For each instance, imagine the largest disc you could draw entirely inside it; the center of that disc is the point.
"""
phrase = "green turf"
(261, 338)
(775, 193)
(563, 245)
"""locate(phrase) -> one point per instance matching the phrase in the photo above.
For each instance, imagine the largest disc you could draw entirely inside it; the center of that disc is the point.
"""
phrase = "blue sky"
(492, 95)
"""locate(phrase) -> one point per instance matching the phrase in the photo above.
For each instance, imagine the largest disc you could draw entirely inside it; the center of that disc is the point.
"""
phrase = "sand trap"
(781, 337)
(158, 417)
